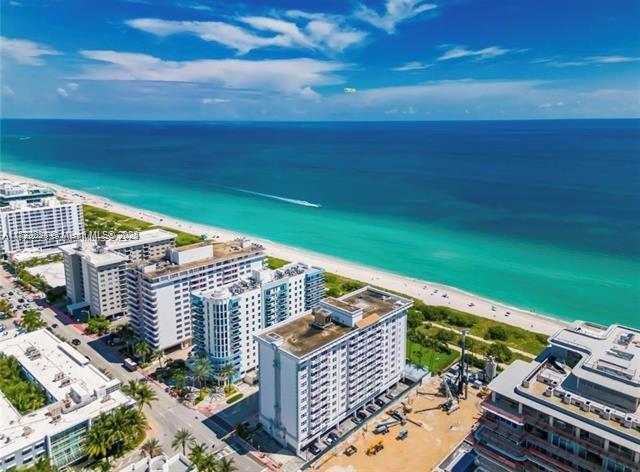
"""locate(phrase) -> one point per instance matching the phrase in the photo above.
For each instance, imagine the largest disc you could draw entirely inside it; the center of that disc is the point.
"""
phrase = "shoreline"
(429, 292)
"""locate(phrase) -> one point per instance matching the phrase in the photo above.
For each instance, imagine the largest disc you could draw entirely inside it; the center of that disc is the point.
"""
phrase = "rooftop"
(10, 190)
(301, 335)
(265, 277)
(161, 463)
(77, 390)
(221, 252)
(607, 357)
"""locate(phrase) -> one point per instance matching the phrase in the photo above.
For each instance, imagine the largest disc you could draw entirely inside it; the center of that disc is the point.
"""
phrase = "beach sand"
(429, 292)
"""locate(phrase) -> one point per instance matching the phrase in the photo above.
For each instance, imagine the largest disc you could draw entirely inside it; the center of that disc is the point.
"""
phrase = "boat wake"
(25, 138)
(276, 197)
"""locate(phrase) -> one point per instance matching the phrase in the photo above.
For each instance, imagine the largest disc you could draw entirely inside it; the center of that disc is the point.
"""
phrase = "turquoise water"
(542, 215)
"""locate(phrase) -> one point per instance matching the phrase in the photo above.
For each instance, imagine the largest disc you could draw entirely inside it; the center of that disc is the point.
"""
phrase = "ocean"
(544, 215)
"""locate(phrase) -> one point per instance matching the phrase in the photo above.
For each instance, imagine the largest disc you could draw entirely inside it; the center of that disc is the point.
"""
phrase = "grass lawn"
(275, 263)
(438, 361)
(97, 220)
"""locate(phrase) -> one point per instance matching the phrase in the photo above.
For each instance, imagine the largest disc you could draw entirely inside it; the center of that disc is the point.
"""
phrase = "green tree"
(101, 466)
(127, 334)
(145, 395)
(415, 318)
(152, 447)
(202, 369)
(98, 325)
(143, 350)
(6, 307)
(227, 372)
(444, 335)
(500, 352)
(115, 434)
(41, 465)
(32, 320)
(181, 440)
(226, 464)
(197, 452)
(496, 332)
(207, 463)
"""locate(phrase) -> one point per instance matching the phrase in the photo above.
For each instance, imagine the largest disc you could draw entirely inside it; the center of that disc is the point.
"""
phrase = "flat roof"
(221, 252)
(144, 237)
(300, 336)
(63, 373)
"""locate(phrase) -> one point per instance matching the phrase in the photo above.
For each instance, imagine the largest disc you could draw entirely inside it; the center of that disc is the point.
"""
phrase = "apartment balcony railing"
(503, 411)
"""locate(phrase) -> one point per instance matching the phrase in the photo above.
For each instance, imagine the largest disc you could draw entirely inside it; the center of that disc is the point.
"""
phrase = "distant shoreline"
(429, 292)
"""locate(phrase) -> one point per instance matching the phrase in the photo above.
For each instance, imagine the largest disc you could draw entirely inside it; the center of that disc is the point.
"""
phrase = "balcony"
(502, 411)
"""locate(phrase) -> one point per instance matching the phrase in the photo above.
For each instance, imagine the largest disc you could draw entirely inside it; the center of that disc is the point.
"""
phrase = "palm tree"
(144, 396)
(181, 439)
(101, 466)
(41, 465)
(152, 447)
(207, 463)
(202, 369)
(95, 445)
(227, 371)
(131, 388)
(143, 350)
(159, 354)
(197, 453)
(226, 465)
(32, 320)
(6, 307)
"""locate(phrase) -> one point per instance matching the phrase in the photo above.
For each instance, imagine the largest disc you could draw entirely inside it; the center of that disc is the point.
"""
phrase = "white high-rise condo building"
(31, 217)
(76, 393)
(320, 367)
(225, 319)
(95, 270)
(159, 291)
(574, 408)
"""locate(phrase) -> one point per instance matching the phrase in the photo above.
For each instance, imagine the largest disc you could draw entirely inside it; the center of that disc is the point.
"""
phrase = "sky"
(320, 60)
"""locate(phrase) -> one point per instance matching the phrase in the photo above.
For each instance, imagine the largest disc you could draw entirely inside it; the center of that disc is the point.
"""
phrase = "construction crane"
(461, 374)
(375, 448)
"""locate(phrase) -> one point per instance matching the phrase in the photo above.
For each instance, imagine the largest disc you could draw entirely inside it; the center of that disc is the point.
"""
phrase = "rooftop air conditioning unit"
(567, 398)
(605, 413)
(586, 406)
(549, 392)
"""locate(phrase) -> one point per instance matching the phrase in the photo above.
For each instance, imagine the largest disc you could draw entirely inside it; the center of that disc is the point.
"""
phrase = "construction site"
(416, 433)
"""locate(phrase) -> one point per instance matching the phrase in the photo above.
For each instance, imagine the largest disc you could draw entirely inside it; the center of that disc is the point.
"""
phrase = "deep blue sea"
(540, 214)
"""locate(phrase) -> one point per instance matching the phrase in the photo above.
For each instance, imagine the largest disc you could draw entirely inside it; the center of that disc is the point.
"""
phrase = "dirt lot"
(432, 434)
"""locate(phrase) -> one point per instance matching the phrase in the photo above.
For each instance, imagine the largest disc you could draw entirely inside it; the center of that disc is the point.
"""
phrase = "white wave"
(282, 199)
(24, 138)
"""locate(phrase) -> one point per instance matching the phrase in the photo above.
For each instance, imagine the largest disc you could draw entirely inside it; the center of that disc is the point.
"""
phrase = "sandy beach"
(430, 292)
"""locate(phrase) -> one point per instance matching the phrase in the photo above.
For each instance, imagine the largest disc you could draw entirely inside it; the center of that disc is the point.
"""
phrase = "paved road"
(166, 415)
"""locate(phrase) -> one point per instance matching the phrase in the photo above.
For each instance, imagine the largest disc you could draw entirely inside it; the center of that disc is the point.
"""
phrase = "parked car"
(313, 449)
(362, 415)
(76, 342)
(55, 325)
(328, 441)
(379, 402)
(334, 437)
(372, 409)
(356, 420)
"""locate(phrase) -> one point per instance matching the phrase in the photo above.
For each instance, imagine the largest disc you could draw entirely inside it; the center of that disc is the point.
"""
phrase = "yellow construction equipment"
(375, 447)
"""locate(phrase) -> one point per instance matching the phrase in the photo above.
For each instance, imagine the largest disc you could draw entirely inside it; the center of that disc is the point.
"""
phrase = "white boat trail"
(276, 197)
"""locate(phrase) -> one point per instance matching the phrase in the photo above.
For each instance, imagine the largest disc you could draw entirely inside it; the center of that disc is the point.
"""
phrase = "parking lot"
(363, 416)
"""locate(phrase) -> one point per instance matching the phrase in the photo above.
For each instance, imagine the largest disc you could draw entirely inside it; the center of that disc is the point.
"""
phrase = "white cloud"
(318, 33)
(68, 89)
(458, 52)
(396, 11)
(612, 59)
(26, 52)
(413, 65)
(214, 101)
(7, 91)
(276, 75)
(586, 61)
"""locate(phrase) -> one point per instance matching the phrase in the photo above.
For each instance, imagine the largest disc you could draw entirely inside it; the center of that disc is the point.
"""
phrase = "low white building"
(162, 463)
(226, 318)
(159, 291)
(76, 394)
(32, 217)
(95, 270)
(321, 367)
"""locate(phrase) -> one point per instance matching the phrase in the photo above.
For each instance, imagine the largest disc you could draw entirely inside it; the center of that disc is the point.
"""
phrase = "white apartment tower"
(225, 319)
(76, 392)
(159, 291)
(31, 217)
(95, 270)
(320, 367)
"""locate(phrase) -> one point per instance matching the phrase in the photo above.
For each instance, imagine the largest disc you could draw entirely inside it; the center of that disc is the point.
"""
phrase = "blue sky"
(320, 60)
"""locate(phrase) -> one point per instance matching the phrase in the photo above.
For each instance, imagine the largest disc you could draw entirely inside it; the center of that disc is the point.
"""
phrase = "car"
(76, 342)
(55, 325)
(372, 409)
(362, 415)
(328, 441)
(20, 300)
(356, 420)
(351, 450)
(11, 294)
(379, 402)
(313, 449)
(334, 437)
